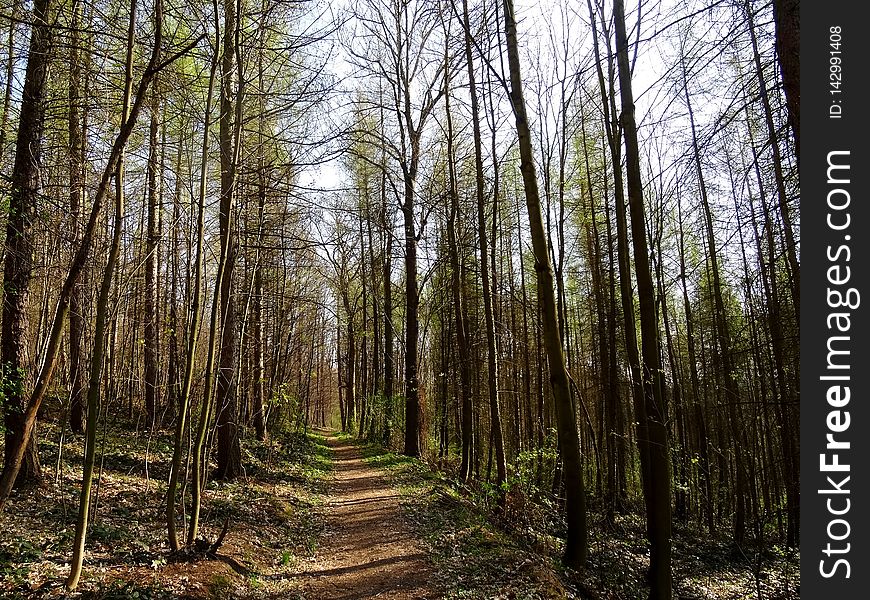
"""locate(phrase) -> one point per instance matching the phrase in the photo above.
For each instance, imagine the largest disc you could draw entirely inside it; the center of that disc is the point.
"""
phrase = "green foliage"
(107, 533)
(282, 398)
(17, 550)
(11, 384)
(128, 591)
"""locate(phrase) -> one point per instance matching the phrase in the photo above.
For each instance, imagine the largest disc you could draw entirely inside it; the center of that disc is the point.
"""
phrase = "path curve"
(369, 549)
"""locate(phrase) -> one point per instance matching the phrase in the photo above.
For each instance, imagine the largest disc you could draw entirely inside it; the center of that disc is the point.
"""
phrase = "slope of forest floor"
(289, 521)
(274, 512)
(480, 556)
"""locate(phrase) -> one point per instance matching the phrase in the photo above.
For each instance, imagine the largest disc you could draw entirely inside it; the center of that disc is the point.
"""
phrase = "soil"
(369, 550)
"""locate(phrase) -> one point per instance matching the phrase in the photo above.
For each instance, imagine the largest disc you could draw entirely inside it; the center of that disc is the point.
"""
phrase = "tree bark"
(575, 506)
(76, 199)
(491, 358)
(53, 339)
(229, 456)
(787, 17)
(458, 300)
(151, 349)
(193, 336)
(94, 387)
(658, 499)
(18, 265)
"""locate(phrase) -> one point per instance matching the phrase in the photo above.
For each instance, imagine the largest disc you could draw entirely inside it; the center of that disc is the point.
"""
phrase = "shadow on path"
(368, 550)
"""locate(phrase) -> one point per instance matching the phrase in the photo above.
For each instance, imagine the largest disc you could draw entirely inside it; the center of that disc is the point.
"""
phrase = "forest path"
(369, 550)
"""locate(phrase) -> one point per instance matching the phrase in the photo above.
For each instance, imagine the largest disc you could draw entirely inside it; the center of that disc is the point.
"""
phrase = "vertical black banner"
(835, 229)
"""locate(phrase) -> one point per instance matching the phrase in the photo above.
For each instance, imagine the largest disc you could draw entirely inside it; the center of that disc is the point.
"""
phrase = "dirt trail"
(368, 550)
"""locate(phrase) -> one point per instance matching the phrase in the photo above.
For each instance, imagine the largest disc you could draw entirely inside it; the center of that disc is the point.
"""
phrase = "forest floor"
(275, 513)
(325, 517)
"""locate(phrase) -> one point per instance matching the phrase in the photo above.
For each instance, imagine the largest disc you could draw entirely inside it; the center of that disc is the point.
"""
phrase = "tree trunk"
(53, 339)
(412, 324)
(659, 490)
(612, 127)
(229, 457)
(458, 301)
(491, 358)
(575, 507)
(787, 17)
(76, 199)
(389, 357)
(94, 387)
(193, 337)
(152, 344)
(18, 265)
(732, 395)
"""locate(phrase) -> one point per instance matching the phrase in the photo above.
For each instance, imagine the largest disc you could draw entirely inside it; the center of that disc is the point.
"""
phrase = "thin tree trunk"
(613, 127)
(152, 348)
(194, 324)
(458, 300)
(732, 395)
(76, 199)
(103, 308)
(491, 358)
(10, 71)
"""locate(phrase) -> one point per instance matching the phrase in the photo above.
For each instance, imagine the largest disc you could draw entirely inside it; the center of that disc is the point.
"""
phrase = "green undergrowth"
(274, 514)
(474, 558)
(479, 554)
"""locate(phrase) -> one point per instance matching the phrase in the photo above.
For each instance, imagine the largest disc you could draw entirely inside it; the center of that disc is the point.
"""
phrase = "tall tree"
(229, 457)
(456, 287)
(152, 239)
(76, 200)
(102, 308)
(483, 244)
(569, 442)
(24, 202)
(658, 500)
(787, 17)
